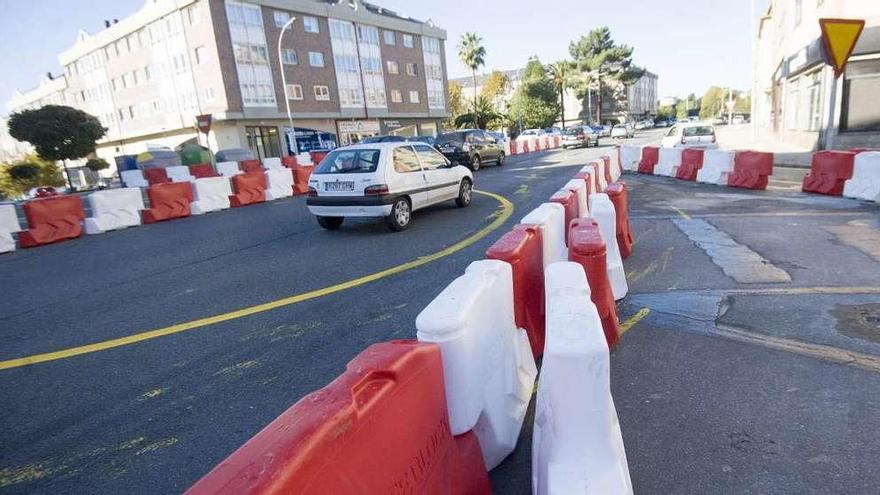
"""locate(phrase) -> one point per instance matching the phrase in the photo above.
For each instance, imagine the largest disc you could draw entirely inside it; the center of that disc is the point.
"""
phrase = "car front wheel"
(475, 163)
(501, 159)
(465, 191)
(401, 212)
(330, 223)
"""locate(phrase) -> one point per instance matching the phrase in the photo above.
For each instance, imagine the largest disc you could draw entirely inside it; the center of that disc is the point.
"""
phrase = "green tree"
(712, 103)
(456, 103)
(535, 104)
(57, 132)
(681, 110)
(743, 103)
(495, 85)
(666, 112)
(31, 171)
(97, 164)
(486, 117)
(605, 62)
(472, 54)
(560, 73)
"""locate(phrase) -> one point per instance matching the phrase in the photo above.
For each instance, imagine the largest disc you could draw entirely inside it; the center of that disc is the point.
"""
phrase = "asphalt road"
(723, 387)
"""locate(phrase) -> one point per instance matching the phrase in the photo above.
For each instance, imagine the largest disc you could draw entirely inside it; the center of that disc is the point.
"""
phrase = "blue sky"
(690, 44)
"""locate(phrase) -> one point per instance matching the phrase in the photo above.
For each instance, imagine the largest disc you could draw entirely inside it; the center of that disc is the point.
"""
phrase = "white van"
(389, 180)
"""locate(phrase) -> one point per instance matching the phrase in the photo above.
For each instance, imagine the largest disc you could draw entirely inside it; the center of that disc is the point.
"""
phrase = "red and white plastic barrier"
(210, 194)
(179, 173)
(669, 162)
(270, 163)
(488, 366)
(717, 167)
(630, 156)
(168, 201)
(279, 183)
(602, 210)
(228, 169)
(691, 163)
(133, 178)
(751, 170)
(51, 220)
(579, 188)
(865, 182)
(550, 218)
(9, 225)
(577, 446)
(829, 171)
(114, 209)
(650, 157)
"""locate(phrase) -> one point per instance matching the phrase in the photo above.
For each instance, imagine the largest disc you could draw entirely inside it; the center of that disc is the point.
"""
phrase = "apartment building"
(797, 98)
(352, 69)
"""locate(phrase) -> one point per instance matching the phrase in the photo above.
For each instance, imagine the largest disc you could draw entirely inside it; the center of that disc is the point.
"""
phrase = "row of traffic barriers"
(172, 192)
(742, 169)
(434, 415)
(528, 145)
(854, 173)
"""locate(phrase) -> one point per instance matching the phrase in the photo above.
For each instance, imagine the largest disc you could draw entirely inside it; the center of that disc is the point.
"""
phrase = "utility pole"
(729, 106)
(294, 147)
(754, 92)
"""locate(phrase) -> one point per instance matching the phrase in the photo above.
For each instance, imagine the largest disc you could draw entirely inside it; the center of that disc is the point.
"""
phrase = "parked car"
(530, 134)
(429, 140)
(579, 135)
(719, 121)
(388, 180)
(472, 147)
(42, 192)
(501, 139)
(622, 131)
(552, 131)
(382, 139)
(661, 123)
(738, 119)
(690, 135)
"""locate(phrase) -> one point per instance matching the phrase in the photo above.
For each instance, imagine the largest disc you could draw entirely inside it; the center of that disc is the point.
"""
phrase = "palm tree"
(472, 54)
(561, 73)
(483, 117)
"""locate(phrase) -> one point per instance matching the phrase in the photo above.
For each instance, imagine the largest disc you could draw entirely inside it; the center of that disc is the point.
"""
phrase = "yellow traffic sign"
(840, 37)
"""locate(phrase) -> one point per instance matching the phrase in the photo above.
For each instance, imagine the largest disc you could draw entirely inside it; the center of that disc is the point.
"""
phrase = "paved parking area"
(726, 385)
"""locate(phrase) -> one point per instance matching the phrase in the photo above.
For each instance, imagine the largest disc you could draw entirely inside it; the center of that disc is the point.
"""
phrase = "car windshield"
(349, 161)
(702, 130)
(573, 130)
(451, 137)
(620, 126)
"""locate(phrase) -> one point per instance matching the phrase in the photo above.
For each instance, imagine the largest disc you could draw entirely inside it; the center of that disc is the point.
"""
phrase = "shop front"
(409, 127)
(353, 131)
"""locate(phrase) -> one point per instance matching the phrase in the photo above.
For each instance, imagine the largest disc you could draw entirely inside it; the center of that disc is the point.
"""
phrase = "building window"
(434, 73)
(147, 74)
(389, 37)
(311, 24)
(288, 56)
(392, 67)
(208, 94)
(192, 15)
(251, 54)
(316, 59)
(126, 80)
(294, 92)
(411, 69)
(861, 92)
(322, 93)
(371, 66)
(263, 141)
(413, 96)
(408, 40)
(396, 97)
(345, 59)
(281, 18)
(798, 12)
(201, 55)
(157, 107)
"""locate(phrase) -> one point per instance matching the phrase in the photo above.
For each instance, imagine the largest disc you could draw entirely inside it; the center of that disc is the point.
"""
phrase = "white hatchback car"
(690, 135)
(389, 180)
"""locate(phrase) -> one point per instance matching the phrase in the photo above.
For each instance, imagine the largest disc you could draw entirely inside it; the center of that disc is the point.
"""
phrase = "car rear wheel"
(330, 223)
(501, 159)
(401, 213)
(465, 191)
(475, 163)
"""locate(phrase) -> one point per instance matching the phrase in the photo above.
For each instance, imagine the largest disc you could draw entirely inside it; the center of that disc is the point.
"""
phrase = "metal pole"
(730, 106)
(284, 83)
(829, 126)
(754, 95)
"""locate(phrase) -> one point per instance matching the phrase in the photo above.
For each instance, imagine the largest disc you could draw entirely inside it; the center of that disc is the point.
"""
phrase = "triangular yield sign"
(840, 37)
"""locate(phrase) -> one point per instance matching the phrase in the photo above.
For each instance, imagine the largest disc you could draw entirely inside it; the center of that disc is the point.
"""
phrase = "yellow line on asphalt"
(506, 210)
(632, 320)
(681, 213)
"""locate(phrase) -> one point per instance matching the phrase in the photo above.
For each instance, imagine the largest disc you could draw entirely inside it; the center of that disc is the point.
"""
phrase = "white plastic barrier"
(600, 175)
(577, 446)
(579, 187)
(114, 209)
(210, 194)
(602, 209)
(279, 183)
(614, 167)
(133, 178)
(488, 366)
(304, 159)
(630, 157)
(273, 163)
(8, 225)
(593, 185)
(669, 161)
(717, 166)
(228, 169)
(550, 218)
(179, 174)
(865, 182)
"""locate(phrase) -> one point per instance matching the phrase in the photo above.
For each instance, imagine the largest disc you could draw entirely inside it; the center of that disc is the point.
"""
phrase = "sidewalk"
(739, 137)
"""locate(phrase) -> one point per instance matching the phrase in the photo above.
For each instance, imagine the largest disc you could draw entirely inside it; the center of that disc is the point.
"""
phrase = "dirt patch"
(860, 321)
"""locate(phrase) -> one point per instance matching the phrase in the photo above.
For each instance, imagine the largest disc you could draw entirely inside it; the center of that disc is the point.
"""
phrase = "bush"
(19, 177)
(23, 172)
(97, 164)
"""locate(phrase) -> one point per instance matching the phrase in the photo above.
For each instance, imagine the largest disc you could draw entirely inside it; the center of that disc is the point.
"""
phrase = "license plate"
(339, 186)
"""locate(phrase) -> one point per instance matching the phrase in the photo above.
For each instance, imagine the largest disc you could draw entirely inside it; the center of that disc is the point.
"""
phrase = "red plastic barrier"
(248, 188)
(568, 200)
(380, 427)
(650, 157)
(525, 146)
(607, 160)
(250, 166)
(203, 170)
(156, 176)
(691, 163)
(828, 172)
(301, 174)
(617, 193)
(751, 170)
(317, 156)
(591, 183)
(52, 219)
(288, 161)
(862, 150)
(168, 201)
(522, 248)
(589, 250)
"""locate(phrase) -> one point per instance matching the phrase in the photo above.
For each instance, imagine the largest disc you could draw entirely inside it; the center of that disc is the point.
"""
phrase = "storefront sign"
(359, 126)
(392, 124)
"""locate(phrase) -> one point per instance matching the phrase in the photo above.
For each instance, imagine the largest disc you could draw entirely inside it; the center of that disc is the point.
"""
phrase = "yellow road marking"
(632, 320)
(681, 213)
(506, 210)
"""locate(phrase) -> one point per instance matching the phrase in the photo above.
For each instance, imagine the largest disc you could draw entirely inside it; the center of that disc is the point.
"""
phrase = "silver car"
(579, 135)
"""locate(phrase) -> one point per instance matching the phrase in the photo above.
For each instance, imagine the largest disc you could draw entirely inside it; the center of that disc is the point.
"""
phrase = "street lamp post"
(284, 83)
